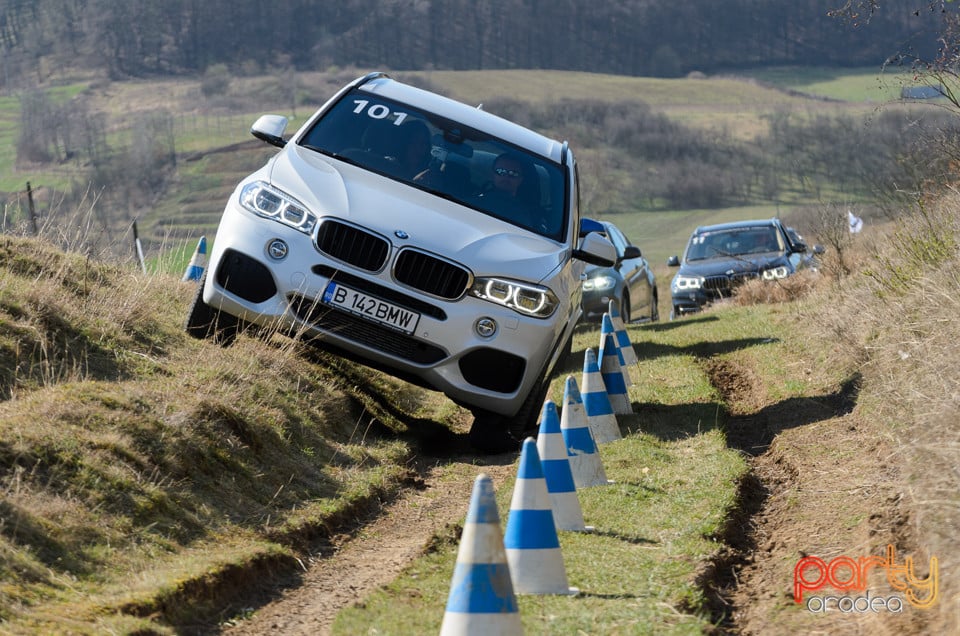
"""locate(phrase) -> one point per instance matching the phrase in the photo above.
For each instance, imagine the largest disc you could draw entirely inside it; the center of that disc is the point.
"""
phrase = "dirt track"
(821, 483)
(798, 498)
(351, 567)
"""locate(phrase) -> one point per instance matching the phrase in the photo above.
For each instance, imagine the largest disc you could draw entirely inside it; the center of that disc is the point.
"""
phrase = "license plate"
(370, 307)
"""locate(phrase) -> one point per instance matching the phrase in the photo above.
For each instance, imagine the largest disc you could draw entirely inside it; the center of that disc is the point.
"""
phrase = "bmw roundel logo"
(400, 234)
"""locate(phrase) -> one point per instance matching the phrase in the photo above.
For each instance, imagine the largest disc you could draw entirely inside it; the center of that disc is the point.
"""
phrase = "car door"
(633, 270)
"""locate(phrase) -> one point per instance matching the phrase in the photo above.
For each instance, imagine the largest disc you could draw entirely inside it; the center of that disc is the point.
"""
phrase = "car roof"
(735, 225)
(474, 117)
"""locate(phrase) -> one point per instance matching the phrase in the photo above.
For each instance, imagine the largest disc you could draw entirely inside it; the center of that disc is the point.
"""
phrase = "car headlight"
(599, 283)
(687, 282)
(775, 273)
(530, 300)
(271, 203)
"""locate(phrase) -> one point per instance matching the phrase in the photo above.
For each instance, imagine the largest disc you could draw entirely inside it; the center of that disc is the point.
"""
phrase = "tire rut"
(344, 570)
(752, 426)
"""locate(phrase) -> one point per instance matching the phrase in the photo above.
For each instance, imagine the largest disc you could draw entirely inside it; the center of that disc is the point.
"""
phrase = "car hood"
(734, 265)
(483, 244)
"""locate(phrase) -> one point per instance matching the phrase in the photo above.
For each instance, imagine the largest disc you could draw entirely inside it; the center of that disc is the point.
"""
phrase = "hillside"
(166, 152)
(153, 484)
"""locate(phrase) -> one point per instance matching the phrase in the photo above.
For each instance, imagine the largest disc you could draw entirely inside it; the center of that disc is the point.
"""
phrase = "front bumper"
(444, 352)
(689, 302)
(595, 304)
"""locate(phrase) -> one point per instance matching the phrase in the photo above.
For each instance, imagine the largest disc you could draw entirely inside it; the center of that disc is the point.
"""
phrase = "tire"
(625, 309)
(655, 307)
(492, 433)
(204, 322)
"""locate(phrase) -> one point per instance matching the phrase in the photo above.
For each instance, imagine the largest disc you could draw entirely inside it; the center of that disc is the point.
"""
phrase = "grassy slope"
(134, 459)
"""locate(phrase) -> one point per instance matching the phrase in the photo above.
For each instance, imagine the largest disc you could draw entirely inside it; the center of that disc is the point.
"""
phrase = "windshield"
(733, 242)
(434, 154)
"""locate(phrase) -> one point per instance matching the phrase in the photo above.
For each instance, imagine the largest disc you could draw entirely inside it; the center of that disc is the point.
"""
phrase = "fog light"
(485, 327)
(277, 249)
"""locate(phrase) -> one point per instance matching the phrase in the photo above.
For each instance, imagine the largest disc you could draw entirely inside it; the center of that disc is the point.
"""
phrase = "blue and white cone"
(531, 542)
(582, 452)
(198, 262)
(481, 600)
(607, 328)
(623, 338)
(556, 469)
(612, 372)
(596, 402)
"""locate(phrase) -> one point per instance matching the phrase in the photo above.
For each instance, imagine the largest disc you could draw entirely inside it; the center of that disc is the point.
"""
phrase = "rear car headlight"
(599, 283)
(524, 298)
(775, 273)
(271, 203)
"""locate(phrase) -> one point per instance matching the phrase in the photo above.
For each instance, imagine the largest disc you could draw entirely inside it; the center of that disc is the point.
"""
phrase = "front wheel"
(204, 321)
(625, 309)
(654, 307)
(494, 433)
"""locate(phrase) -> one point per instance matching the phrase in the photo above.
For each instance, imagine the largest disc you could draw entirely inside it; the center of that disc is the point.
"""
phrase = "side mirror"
(818, 249)
(596, 250)
(673, 261)
(270, 128)
(798, 248)
(632, 251)
(589, 225)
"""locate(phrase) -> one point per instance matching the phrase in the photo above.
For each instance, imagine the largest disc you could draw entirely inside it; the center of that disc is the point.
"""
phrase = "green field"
(868, 85)
(210, 162)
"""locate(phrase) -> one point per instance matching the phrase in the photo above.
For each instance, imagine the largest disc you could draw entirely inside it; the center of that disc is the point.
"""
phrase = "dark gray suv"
(719, 257)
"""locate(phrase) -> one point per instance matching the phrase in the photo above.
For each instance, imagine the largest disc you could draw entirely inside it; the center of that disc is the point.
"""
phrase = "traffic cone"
(556, 469)
(531, 542)
(596, 402)
(606, 329)
(481, 600)
(198, 262)
(582, 452)
(623, 338)
(612, 371)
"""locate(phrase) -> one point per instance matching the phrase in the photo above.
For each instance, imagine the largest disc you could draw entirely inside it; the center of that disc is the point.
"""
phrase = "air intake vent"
(352, 245)
(430, 274)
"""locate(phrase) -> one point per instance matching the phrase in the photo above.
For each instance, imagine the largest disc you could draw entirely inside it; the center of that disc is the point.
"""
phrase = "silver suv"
(417, 235)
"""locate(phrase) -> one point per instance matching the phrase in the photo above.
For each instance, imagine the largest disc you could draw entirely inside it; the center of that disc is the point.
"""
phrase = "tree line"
(137, 38)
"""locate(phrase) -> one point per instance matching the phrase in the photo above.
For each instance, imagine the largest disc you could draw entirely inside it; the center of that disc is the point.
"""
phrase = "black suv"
(719, 257)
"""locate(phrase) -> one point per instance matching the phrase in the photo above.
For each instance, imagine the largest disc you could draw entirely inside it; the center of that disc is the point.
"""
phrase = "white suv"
(417, 235)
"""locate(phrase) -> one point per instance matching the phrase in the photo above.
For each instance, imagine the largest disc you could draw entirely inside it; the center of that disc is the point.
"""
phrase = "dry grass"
(134, 459)
(900, 317)
(786, 290)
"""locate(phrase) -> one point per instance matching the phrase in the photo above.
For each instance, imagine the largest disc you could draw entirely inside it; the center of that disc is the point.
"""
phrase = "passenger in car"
(514, 191)
(413, 149)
